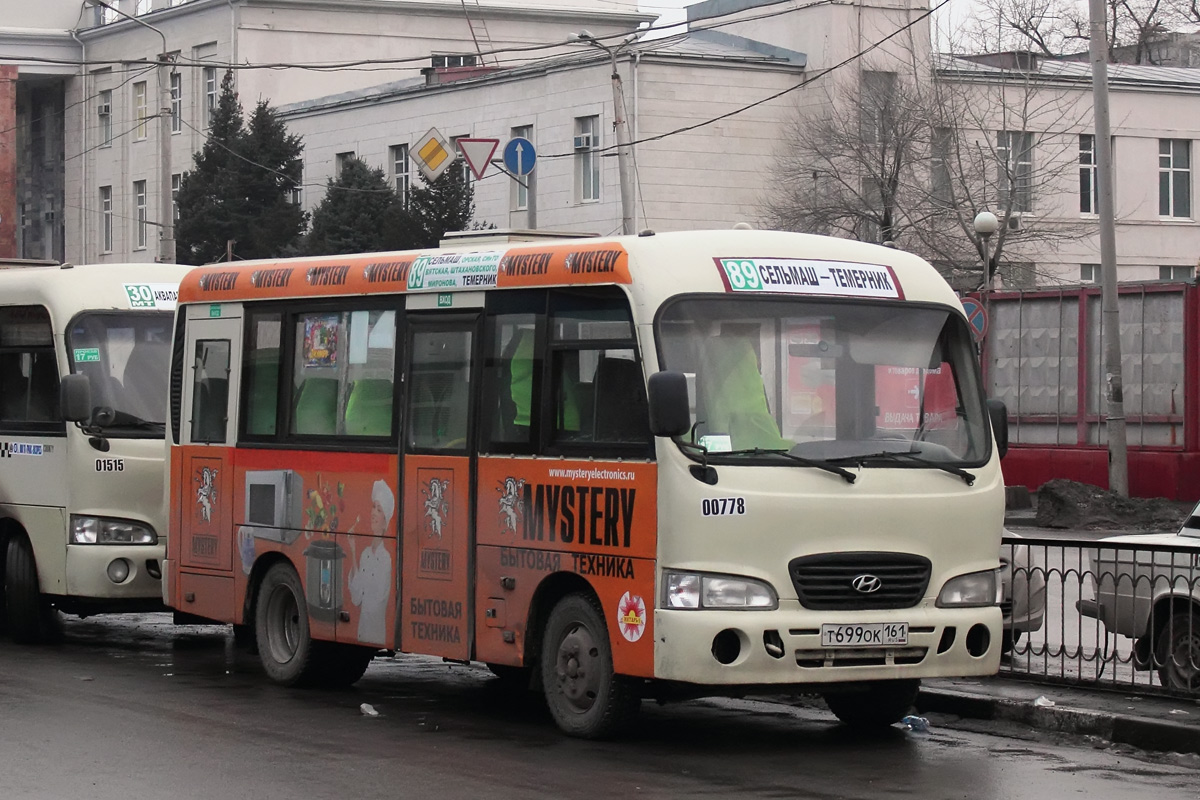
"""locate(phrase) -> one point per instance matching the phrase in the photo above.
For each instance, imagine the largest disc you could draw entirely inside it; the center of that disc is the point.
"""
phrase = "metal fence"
(1101, 614)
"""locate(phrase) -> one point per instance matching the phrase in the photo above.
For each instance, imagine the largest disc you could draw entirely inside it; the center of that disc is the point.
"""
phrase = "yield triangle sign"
(478, 153)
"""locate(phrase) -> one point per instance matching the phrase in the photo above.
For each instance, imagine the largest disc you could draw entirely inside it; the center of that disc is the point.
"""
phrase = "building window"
(1014, 151)
(1174, 178)
(141, 7)
(139, 201)
(587, 159)
(139, 109)
(210, 94)
(298, 188)
(464, 176)
(453, 60)
(1176, 273)
(176, 183)
(521, 184)
(1089, 273)
(400, 171)
(878, 92)
(940, 156)
(176, 102)
(1089, 202)
(104, 117)
(106, 219)
(108, 15)
(339, 163)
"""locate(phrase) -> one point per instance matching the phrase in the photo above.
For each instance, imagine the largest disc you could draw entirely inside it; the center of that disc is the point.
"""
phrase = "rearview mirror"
(668, 399)
(75, 398)
(998, 412)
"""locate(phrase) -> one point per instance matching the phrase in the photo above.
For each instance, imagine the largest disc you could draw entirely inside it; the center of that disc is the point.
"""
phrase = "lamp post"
(985, 225)
(619, 123)
(166, 224)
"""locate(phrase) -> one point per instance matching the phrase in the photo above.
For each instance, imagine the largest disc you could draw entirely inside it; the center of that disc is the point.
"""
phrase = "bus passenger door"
(203, 475)
(436, 525)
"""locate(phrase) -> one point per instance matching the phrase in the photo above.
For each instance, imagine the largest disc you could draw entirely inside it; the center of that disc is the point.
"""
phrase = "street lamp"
(166, 224)
(985, 225)
(619, 123)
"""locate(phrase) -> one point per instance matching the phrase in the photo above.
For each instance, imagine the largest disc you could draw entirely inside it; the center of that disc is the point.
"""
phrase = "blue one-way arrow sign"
(519, 156)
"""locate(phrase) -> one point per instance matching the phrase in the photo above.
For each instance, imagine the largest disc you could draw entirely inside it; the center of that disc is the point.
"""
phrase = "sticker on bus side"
(161, 296)
(808, 276)
(723, 507)
(84, 355)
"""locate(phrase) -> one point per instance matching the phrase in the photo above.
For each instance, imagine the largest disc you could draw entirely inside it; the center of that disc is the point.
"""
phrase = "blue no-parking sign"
(977, 317)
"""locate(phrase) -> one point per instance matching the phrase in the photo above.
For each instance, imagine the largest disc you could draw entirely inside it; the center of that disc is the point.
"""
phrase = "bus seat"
(738, 405)
(14, 398)
(264, 387)
(43, 392)
(621, 411)
(369, 408)
(316, 407)
(520, 382)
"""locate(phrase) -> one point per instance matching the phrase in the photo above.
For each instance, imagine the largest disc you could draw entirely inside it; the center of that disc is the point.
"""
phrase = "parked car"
(1148, 588)
(1024, 598)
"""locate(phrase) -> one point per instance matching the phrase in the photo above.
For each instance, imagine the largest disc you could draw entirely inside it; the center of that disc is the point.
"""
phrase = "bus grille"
(826, 582)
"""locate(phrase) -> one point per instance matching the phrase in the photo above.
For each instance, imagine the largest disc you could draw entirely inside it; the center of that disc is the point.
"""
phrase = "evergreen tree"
(447, 204)
(352, 216)
(239, 187)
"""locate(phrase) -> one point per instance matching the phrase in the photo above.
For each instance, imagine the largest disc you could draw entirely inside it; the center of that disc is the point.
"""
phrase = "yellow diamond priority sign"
(433, 154)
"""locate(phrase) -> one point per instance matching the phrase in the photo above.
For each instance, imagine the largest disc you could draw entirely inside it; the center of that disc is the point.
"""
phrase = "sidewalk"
(1148, 723)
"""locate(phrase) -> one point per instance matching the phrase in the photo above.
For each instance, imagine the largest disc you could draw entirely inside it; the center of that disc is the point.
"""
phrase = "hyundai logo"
(866, 584)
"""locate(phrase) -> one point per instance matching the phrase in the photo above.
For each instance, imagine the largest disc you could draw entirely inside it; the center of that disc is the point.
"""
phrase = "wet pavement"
(132, 706)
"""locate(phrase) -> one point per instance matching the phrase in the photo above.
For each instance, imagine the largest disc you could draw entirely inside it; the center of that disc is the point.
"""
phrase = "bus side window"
(262, 374)
(512, 371)
(210, 392)
(28, 370)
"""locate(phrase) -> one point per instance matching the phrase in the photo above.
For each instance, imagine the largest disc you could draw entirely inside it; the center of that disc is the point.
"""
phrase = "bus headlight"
(105, 530)
(971, 590)
(699, 590)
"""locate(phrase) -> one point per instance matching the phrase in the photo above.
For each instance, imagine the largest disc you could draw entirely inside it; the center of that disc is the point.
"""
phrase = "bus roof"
(655, 267)
(66, 290)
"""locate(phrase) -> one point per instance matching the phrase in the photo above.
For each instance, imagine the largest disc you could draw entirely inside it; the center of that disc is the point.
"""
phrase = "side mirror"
(75, 398)
(999, 416)
(668, 398)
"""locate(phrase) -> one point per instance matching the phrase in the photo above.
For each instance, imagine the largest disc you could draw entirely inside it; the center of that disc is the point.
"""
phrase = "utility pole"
(620, 126)
(1118, 463)
(166, 216)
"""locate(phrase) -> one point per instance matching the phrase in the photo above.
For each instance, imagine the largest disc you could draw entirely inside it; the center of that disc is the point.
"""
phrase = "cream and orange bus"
(613, 469)
(82, 526)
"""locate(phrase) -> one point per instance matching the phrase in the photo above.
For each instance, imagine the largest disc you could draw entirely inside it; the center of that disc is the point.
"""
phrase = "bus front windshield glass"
(842, 381)
(127, 360)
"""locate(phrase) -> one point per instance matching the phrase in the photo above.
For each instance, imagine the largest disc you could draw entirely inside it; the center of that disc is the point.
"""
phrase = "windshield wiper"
(886, 455)
(849, 476)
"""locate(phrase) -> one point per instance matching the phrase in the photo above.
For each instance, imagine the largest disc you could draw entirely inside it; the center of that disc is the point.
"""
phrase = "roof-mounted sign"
(808, 276)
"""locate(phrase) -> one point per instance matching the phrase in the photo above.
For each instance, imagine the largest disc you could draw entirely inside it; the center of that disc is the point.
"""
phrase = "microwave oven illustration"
(273, 504)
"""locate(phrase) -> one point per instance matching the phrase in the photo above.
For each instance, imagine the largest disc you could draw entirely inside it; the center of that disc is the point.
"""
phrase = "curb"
(1140, 732)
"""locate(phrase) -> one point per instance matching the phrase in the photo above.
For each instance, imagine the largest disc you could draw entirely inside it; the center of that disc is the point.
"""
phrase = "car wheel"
(881, 704)
(584, 696)
(1180, 669)
(30, 617)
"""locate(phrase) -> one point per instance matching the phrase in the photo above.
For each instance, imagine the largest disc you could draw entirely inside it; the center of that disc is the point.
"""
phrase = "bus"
(610, 469)
(82, 487)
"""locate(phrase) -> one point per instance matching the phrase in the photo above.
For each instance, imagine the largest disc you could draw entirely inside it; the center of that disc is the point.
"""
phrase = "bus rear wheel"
(30, 617)
(583, 694)
(878, 705)
(285, 644)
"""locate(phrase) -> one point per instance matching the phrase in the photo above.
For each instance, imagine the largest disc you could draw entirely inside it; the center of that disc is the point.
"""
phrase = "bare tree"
(911, 157)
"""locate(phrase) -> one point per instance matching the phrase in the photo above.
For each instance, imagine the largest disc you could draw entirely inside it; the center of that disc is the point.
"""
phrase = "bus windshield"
(127, 359)
(842, 381)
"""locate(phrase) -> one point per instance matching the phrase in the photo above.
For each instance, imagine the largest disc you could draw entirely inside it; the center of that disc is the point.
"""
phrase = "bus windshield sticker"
(160, 296)
(808, 276)
(455, 270)
(85, 355)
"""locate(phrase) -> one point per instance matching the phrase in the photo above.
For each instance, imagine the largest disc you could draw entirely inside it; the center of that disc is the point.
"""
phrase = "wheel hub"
(577, 668)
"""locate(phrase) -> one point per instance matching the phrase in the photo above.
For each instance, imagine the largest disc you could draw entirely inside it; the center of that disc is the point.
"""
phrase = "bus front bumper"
(731, 648)
(117, 572)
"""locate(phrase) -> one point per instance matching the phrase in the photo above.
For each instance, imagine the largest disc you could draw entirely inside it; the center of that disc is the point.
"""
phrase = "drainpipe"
(83, 182)
(637, 190)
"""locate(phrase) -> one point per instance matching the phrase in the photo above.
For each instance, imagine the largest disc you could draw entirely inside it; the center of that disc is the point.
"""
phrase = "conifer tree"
(352, 216)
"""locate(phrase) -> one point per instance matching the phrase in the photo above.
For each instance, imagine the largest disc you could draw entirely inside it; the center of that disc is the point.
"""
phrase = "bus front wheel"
(285, 644)
(878, 705)
(583, 694)
(30, 617)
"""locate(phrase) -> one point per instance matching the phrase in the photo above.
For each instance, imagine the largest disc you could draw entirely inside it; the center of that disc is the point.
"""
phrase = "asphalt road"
(133, 707)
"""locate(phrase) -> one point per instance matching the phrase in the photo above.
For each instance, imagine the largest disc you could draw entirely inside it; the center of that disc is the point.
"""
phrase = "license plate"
(873, 634)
